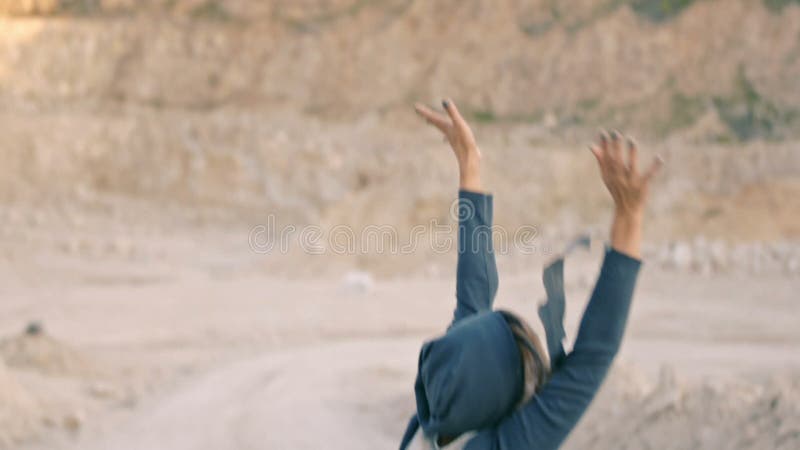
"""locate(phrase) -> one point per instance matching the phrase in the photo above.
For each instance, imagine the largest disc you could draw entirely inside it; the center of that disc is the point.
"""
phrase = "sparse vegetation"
(660, 10)
(539, 25)
(484, 116)
(80, 7)
(537, 28)
(588, 104)
(50, 7)
(684, 111)
(487, 116)
(746, 112)
(654, 10)
(329, 15)
(598, 12)
(392, 9)
(211, 10)
(778, 5)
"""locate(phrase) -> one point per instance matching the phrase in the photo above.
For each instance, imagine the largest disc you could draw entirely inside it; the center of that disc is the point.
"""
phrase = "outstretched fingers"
(616, 146)
(600, 148)
(434, 118)
(603, 140)
(455, 115)
(633, 156)
(597, 152)
(608, 150)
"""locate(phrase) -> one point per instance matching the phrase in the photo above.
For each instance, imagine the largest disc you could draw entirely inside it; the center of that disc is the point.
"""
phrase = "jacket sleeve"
(546, 421)
(476, 272)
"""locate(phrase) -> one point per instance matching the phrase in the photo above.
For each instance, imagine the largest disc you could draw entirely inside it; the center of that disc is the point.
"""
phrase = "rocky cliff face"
(661, 65)
(302, 106)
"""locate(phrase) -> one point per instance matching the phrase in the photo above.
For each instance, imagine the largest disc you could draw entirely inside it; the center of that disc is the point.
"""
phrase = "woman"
(488, 383)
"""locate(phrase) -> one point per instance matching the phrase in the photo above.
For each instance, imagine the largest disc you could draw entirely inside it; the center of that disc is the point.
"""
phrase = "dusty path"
(249, 362)
(326, 396)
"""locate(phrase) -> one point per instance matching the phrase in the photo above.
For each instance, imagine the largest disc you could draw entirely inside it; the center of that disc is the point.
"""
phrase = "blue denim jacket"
(547, 419)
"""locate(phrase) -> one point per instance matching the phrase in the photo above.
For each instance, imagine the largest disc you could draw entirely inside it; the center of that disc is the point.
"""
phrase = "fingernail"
(615, 135)
(446, 104)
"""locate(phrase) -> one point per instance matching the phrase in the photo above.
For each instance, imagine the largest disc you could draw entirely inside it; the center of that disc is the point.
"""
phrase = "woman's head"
(477, 373)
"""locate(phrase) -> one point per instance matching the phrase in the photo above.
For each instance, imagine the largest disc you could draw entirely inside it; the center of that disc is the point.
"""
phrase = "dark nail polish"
(446, 104)
(614, 135)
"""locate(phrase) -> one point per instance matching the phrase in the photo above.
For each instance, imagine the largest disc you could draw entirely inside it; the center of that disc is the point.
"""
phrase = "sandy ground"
(142, 140)
(218, 353)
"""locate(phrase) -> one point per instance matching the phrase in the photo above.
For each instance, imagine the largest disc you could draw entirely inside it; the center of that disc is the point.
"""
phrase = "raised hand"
(457, 132)
(628, 187)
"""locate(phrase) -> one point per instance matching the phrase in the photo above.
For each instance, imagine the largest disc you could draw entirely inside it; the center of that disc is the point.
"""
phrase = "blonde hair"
(535, 363)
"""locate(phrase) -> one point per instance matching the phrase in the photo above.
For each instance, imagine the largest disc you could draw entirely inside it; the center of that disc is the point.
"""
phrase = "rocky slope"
(301, 108)
(626, 62)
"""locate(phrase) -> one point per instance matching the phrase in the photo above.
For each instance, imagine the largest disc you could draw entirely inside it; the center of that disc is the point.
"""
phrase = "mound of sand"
(44, 354)
(672, 414)
(18, 409)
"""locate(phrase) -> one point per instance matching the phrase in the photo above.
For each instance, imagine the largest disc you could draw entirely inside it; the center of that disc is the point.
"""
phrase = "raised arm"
(628, 188)
(457, 132)
(476, 273)
(553, 412)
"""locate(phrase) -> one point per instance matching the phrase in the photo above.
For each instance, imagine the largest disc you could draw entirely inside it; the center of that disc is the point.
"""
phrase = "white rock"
(103, 391)
(550, 120)
(793, 266)
(358, 282)
(718, 253)
(680, 256)
(667, 395)
(433, 270)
